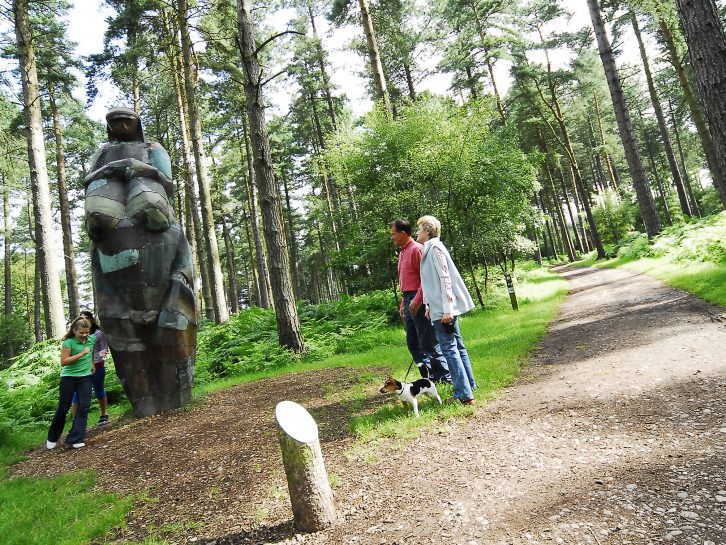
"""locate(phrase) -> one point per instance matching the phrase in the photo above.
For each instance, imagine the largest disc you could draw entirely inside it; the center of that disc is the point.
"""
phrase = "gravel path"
(616, 433)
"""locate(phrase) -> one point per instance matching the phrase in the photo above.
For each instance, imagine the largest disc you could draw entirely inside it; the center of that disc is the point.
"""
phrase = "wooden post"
(310, 493)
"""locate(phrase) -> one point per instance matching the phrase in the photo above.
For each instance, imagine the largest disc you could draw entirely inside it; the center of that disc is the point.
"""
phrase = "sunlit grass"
(67, 510)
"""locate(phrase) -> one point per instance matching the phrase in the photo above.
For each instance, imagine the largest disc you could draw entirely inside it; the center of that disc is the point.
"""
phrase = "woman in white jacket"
(446, 297)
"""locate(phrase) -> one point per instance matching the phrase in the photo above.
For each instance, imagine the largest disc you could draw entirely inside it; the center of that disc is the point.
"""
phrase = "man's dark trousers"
(422, 343)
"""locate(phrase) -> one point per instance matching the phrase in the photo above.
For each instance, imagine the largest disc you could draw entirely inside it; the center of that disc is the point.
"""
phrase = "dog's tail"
(424, 370)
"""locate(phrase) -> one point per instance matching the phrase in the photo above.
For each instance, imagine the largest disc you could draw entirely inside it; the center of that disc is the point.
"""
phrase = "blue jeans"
(98, 379)
(68, 386)
(452, 345)
(421, 341)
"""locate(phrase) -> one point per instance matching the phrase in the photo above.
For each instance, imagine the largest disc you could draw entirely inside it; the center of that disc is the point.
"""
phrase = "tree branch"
(271, 38)
(268, 80)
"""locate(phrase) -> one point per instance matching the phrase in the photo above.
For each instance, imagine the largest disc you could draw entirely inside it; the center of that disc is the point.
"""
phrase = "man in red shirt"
(420, 335)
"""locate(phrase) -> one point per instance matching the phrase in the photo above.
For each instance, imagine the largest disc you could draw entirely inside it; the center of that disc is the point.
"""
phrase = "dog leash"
(409, 370)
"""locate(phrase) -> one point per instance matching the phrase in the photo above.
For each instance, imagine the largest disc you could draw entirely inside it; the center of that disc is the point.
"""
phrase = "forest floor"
(615, 433)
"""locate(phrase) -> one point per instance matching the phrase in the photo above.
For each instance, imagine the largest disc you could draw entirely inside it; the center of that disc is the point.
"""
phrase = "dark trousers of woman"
(69, 385)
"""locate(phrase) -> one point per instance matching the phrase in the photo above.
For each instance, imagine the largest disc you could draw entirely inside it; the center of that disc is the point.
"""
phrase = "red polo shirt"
(409, 268)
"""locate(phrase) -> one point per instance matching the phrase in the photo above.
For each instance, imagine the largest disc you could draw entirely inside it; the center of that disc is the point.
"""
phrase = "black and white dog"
(409, 391)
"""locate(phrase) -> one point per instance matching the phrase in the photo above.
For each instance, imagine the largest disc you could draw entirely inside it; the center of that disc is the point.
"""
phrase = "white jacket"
(444, 290)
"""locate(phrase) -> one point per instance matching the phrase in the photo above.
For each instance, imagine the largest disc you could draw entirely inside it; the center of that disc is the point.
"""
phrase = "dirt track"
(616, 433)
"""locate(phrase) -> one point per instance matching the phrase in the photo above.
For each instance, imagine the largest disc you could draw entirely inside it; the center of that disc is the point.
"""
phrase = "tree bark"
(608, 161)
(709, 149)
(231, 268)
(375, 57)
(263, 273)
(65, 214)
(288, 323)
(7, 262)
(216, 282)
(48, 271)
(191, 203)
(625, 126)
(686, 178)
(294, 253)
(323, 72)
(662, 126)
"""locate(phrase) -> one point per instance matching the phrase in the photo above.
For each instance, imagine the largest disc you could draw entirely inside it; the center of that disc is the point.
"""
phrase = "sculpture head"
(124, 125)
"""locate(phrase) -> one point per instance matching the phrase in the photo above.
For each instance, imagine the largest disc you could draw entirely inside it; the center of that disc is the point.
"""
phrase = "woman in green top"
(76, 368)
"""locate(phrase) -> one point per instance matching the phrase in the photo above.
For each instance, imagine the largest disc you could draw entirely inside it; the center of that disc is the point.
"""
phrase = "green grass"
(499, 341)
(69, 510)
(690, 256)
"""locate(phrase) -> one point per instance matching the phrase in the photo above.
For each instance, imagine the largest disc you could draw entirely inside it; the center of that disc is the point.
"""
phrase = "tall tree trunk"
(579, 237)
(488, 59)
(659, 183)
(193, 231)
(608, 161)
(37, 303)
(7, 262)
(566, 239)
(320, 57)
(53, 303)
(253, 267)
(65, 214)
(216, 282)
(231, 268)
(263, 273)
(686, 178)
(662, 126)
(627, 135)
(288, 323)
(566, 143)
(295, 265)
(375, 57)
(709, 149)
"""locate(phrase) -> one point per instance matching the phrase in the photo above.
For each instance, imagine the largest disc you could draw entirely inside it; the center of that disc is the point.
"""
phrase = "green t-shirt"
(82, 367)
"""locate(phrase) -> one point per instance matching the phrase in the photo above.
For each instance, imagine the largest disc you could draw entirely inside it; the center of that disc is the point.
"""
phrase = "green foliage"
(615, 217)
(455, 163)
(248, 341)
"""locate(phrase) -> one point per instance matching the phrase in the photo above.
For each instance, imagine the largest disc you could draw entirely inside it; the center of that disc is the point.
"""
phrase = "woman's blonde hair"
(431, 225)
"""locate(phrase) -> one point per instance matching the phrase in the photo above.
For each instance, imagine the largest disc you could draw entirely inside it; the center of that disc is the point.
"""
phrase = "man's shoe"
(452, 399)
(103, 420)
(468, 402)
(50, 445)
(78, 445)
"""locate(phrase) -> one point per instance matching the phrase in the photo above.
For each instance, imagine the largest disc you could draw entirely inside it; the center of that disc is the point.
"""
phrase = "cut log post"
(310, 493)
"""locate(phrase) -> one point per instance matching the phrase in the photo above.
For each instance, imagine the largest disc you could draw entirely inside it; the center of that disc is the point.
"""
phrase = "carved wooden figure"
(142, 267)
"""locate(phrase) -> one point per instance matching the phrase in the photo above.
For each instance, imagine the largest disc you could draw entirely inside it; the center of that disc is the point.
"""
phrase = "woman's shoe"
(50, 445)
(103, 420)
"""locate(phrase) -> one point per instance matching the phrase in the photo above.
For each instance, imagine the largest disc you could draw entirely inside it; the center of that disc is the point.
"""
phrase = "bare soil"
(615, 433)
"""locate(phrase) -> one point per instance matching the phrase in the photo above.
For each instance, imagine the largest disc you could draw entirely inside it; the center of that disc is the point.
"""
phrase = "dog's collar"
(403, 389)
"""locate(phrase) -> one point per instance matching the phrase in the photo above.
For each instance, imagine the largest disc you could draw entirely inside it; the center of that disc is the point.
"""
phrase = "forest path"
(616, 433)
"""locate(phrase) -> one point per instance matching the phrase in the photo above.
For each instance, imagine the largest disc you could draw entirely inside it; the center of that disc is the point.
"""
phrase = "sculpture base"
(154, 386)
